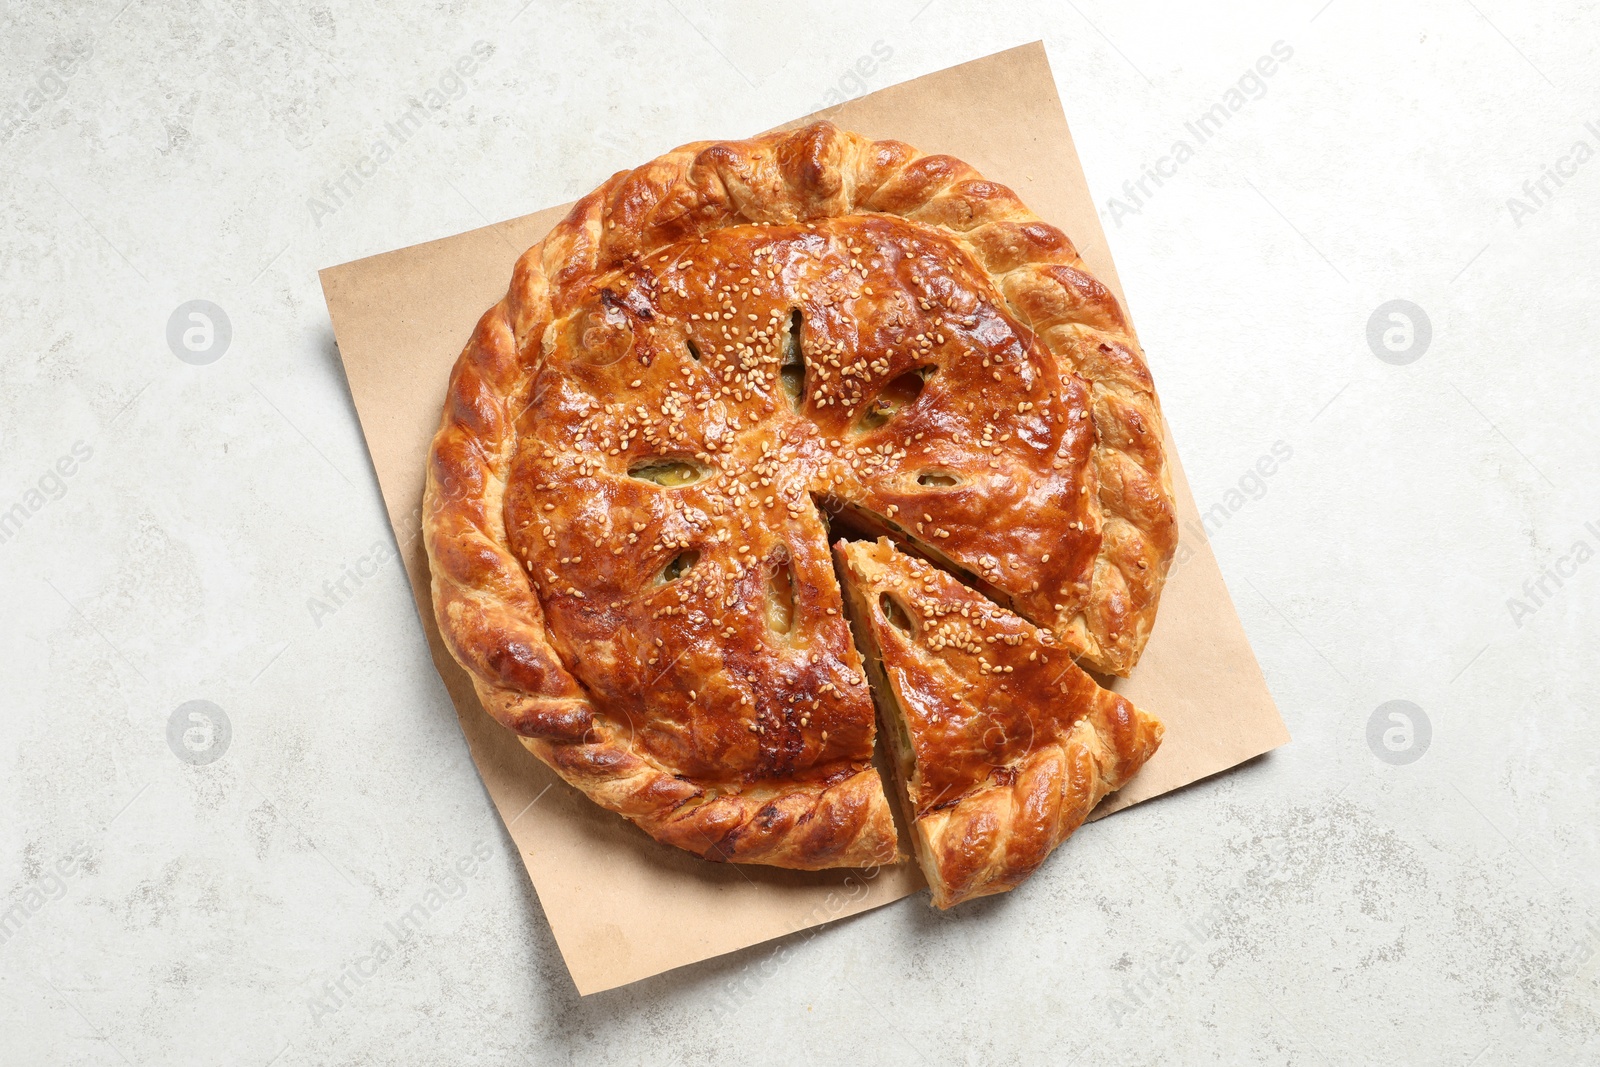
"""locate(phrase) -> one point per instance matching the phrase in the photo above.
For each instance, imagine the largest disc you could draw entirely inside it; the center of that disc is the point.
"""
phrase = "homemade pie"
(714, 364)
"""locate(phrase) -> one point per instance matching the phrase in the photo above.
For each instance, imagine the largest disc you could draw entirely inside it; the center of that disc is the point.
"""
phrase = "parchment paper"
(621, 906)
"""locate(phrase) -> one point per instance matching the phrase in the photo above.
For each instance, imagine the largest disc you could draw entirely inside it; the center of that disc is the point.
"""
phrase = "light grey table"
(187, 514)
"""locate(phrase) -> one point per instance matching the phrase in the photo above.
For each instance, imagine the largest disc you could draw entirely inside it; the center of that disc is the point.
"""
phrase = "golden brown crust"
(1007, 745)
(618, 614)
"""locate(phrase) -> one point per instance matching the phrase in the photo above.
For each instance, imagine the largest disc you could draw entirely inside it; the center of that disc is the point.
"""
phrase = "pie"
(1001, 743)
(715, 365)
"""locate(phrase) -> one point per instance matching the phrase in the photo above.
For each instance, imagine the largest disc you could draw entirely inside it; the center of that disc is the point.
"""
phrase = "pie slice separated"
(1002, 745)
(625, 496)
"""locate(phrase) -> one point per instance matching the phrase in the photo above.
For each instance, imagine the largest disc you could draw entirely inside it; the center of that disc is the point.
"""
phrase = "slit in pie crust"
(643, 444)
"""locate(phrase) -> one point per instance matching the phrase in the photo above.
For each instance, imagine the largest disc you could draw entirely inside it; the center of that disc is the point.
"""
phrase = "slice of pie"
(1002, 744)
(629, 494)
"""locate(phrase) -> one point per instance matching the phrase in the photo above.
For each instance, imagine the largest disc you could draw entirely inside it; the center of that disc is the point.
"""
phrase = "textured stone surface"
(1322, 905)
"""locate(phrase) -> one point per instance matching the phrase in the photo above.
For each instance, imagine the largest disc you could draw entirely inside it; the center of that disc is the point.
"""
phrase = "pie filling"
(892, 727)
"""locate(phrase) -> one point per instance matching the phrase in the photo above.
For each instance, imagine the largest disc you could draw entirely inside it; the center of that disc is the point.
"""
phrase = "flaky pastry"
(711, 359)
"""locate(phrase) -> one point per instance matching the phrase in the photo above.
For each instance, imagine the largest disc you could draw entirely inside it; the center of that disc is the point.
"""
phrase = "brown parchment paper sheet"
(621, 906)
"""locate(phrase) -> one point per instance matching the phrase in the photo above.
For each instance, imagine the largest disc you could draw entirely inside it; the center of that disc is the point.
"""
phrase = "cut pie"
(1002, 744)
(712, 357)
